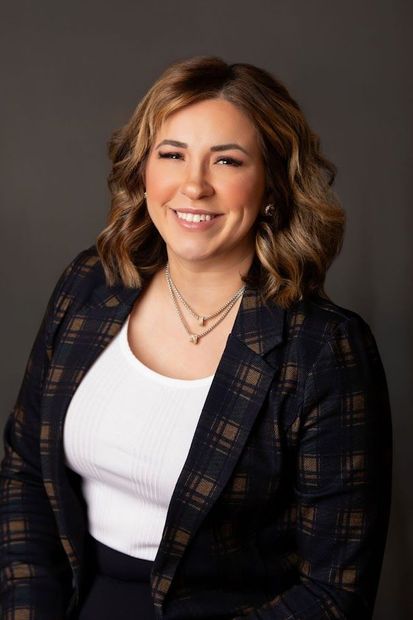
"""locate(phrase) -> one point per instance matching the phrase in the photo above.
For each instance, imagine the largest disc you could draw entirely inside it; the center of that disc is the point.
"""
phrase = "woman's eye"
(173, 155)
(168, 155)
(231, 160)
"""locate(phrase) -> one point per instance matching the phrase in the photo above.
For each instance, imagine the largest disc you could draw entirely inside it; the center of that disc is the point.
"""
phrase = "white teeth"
(194, 217)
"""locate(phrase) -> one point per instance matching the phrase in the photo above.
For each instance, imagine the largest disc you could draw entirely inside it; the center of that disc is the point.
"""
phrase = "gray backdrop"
(71, 72)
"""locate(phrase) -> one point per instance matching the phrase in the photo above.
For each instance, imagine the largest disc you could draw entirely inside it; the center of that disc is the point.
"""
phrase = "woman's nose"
(196, 184)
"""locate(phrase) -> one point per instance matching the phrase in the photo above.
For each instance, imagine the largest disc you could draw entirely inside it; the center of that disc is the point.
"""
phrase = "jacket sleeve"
(343, 483)
(35, 575)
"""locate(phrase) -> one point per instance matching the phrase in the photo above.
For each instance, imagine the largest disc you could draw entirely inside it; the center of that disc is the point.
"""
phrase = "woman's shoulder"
(317, 321)
(83, 275)
(84, 263)
(324, 311)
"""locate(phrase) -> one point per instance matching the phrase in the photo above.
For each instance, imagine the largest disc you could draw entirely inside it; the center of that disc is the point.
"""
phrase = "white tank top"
(127, 432)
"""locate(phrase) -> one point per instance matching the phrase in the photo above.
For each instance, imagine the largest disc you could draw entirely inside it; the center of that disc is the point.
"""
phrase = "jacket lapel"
(81, 338)
(236, 395)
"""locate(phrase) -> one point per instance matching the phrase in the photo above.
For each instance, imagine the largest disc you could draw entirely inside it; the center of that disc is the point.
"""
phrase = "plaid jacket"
(281, 509)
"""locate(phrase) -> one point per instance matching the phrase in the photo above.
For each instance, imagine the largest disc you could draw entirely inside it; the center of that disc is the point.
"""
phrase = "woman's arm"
(35, 574)
(343, 483)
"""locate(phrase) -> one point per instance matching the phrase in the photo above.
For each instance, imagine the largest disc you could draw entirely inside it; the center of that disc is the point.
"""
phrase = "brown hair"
(295, 246)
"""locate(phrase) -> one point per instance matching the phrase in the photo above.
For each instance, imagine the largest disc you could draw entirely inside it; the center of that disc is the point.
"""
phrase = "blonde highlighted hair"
(295, 246)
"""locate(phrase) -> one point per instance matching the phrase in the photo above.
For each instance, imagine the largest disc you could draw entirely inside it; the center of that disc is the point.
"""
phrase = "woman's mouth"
(196, 221)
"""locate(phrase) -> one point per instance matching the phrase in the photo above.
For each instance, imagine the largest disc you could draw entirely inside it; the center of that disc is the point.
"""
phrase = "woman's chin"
(191, 256)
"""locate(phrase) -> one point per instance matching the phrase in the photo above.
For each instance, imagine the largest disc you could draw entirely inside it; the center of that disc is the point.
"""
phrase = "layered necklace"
(221, 313)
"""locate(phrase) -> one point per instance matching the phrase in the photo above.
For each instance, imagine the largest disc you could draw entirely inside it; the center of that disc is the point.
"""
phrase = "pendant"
(201, 320)
(193, 338)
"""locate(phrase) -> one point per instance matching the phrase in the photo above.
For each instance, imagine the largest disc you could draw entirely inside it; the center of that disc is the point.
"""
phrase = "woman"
(201, 432)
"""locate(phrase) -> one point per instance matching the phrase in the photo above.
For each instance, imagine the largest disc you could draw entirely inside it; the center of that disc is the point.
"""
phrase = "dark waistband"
(113, 563)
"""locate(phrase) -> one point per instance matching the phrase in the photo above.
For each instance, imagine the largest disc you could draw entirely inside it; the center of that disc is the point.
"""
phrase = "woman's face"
(206, 159)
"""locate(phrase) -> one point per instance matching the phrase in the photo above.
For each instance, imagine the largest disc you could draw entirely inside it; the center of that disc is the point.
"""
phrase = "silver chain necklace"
(200, 318)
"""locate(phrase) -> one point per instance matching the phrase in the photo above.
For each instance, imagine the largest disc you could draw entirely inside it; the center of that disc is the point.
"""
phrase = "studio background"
(73, 72)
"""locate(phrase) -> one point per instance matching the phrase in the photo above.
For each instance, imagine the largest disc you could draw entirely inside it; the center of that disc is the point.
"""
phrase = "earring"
(144, 193)
(269, 210)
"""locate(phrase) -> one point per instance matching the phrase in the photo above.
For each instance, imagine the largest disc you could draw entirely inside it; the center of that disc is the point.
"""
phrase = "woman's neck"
(206, 287)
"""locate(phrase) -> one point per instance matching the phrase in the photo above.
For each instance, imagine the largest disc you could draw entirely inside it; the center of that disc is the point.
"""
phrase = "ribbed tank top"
(127, 432)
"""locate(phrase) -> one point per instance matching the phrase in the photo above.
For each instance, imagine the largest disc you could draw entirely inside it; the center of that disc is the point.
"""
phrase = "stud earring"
(269, 210)
(144, 193)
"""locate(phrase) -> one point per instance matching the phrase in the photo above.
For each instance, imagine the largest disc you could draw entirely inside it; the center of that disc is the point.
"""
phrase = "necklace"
(223, 310)
(201, 319)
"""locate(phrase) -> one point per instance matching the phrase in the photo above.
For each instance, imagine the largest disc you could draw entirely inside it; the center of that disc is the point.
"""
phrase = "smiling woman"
(247, 476)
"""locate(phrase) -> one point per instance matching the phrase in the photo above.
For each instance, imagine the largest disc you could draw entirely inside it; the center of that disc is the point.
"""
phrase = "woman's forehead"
(211, 119)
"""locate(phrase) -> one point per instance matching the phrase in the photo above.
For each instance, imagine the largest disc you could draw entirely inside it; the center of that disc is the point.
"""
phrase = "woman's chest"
(161, 340)
(127, 426)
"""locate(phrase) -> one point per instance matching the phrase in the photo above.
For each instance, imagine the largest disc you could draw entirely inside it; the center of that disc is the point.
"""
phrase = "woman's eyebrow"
(217, 147)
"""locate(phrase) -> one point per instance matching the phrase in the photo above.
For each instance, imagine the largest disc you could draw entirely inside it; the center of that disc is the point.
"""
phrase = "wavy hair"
(295, 246)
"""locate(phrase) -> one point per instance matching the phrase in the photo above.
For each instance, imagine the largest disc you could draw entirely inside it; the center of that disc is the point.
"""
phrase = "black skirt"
(117, 585)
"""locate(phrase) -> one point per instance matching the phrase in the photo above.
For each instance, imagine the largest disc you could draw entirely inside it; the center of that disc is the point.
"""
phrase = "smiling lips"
(196, 216)
(196, 219)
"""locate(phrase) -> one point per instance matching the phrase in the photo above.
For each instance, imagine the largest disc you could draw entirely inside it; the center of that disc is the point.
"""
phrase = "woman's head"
(284, 166)
(206, 158)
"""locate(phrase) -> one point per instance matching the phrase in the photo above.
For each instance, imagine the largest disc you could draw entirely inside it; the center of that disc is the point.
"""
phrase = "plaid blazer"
(281, 509)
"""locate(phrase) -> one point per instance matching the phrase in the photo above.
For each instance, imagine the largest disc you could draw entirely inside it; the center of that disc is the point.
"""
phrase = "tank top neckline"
(152, 374)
